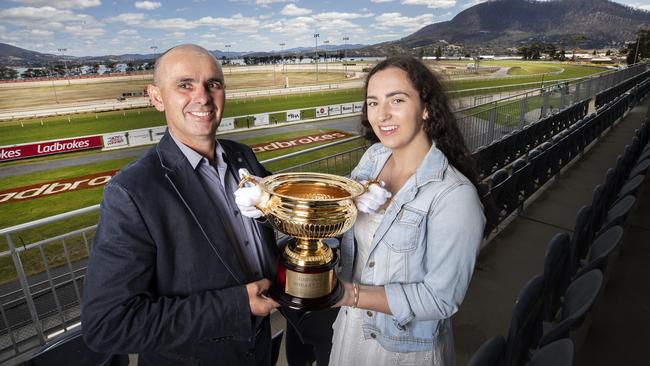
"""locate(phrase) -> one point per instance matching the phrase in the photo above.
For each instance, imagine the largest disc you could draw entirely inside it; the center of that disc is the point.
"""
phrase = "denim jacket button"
(373, 335)
(371, 264)
(369, 313)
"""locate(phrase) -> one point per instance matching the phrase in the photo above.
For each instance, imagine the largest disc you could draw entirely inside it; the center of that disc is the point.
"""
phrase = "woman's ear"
(425, 113)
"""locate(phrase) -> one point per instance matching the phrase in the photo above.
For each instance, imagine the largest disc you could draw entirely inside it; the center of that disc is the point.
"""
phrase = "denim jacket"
(423, 251)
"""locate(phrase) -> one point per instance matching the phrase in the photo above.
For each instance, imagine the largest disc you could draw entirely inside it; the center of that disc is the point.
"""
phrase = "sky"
(104, 27)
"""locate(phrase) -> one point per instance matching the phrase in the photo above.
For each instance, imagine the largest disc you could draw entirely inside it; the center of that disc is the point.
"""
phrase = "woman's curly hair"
(440, 125)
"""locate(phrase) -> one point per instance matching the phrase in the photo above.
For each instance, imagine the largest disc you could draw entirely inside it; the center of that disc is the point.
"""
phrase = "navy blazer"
(163, 277)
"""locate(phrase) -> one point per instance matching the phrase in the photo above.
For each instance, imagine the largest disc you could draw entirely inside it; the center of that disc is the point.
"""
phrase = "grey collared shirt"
(220, 184)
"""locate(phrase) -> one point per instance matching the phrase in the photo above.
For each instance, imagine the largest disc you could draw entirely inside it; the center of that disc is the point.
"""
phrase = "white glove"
(374, 197)
(250, 196)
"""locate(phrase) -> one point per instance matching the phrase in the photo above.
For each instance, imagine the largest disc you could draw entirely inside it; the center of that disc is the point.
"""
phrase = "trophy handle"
(366, 186)
(249, 179)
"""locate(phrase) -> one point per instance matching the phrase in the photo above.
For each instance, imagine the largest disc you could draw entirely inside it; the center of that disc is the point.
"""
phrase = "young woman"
(407, 262)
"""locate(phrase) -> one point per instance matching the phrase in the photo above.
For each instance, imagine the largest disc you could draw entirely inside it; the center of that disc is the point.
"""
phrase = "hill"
(500, 24)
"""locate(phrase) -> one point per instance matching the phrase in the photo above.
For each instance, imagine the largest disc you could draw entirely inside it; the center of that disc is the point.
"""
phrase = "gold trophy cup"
(309, 207)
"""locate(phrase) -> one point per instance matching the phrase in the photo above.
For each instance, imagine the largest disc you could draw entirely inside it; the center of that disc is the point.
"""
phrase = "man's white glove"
(249, 196)
(374, 197)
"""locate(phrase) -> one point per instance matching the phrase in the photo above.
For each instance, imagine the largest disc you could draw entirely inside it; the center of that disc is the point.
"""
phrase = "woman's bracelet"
(355, 292)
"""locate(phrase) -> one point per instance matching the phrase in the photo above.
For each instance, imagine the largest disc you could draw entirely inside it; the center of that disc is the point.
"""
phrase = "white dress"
(348, 344)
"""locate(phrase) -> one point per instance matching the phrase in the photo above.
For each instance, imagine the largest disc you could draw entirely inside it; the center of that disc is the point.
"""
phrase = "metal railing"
(488, 122)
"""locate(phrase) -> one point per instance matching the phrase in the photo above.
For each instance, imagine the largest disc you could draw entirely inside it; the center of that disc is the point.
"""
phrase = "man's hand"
(260, 303)
(374, 197)
(250, 196)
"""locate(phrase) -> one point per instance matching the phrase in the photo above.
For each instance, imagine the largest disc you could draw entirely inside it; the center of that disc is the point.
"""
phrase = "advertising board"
(23, 151)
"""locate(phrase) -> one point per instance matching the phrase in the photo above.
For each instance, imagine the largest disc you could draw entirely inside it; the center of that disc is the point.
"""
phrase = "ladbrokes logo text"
(50, 188)
(299, 141)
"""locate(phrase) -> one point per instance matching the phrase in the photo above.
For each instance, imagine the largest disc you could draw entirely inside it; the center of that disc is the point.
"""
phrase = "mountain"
(16, 56)
(500, 24)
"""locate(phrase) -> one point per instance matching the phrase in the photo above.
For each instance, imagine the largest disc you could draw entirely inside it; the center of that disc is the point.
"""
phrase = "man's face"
(190, 90)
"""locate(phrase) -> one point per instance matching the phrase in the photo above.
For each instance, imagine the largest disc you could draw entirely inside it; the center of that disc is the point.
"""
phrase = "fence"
(485, 123)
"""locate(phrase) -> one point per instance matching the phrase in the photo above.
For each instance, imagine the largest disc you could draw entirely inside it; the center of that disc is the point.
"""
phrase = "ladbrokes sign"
(298, 141)
(50, 188)
(46, 148)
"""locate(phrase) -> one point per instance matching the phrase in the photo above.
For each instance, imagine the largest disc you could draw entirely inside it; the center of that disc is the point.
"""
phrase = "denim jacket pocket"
(402, 236)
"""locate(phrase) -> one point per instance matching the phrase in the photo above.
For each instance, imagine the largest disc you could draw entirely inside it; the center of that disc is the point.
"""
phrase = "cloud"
(291, 10)
(128, 18)
(128, 32)
(177, 34)
(433, 4)
(388, 21)
(41, 33)
(147, 5)
(471, 3)
(181, 9)
(266, 2)
(235, 22)
(640, 6)
(381, 1)
(63, 4)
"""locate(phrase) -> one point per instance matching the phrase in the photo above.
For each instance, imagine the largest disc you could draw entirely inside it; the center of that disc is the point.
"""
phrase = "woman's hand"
(374, 197)
(348, 295)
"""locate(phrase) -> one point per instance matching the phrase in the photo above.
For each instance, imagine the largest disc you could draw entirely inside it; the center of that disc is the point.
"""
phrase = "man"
(176, 274)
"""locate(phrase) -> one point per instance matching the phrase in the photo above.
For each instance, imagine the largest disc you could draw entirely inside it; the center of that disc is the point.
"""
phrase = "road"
(346, 124)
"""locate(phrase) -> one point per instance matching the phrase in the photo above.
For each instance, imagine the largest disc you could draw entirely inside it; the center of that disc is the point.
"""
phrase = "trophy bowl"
(309, 207)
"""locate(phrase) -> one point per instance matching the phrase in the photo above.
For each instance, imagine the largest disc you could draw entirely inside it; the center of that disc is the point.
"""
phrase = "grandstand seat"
(578, 300)
(491, 353)
(640, 168)
(526, 322)
(631, 186)
(582, 234)
(558, 353)
(557, 273)
(618, 213)
(601, 249)
(498, 177)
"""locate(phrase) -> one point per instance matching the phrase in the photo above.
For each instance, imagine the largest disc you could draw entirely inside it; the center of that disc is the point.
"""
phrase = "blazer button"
(371, 264)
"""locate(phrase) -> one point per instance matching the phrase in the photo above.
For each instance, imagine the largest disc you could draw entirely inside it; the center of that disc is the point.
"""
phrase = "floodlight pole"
(325, 48)
(229, 60)
(62, 50)
(345, 49)
(316, 35)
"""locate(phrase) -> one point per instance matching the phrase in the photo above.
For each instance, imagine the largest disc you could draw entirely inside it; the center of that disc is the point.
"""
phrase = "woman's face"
(394, 109)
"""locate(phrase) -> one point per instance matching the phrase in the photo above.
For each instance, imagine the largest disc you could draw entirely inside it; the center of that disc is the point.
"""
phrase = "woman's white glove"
(250, 196)
(374, 197)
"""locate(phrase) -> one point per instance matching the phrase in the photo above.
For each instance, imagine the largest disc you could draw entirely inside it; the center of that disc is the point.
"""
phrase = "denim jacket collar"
(432, 168)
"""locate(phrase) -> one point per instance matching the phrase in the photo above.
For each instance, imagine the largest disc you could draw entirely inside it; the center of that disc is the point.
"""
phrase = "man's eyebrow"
(217, 79)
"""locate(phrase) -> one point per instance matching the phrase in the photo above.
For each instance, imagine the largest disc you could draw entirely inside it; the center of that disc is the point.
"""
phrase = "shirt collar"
(195, 158)
(431, 168)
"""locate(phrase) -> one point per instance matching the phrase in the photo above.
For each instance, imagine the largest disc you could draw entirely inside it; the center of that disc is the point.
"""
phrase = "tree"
(640, 49)
(438, 53)
(575, 41)
(7, 73)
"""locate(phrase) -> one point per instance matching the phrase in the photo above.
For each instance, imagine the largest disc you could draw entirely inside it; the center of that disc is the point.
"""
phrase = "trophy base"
(306, 304)
(306, 287)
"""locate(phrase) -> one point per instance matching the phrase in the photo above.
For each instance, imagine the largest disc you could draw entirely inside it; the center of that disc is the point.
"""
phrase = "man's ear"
(156, 97)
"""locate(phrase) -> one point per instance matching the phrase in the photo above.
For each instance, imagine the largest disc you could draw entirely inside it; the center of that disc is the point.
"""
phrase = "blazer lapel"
(208, 218)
